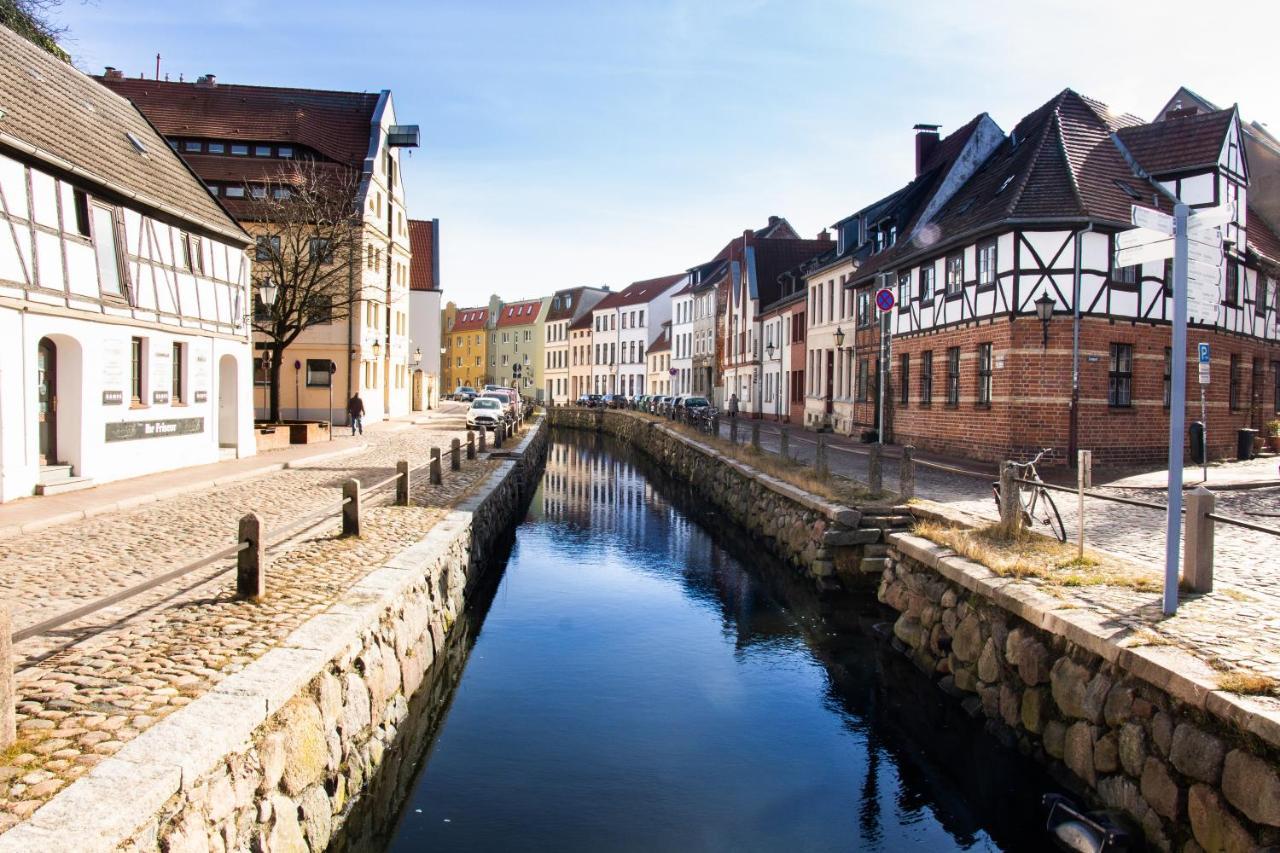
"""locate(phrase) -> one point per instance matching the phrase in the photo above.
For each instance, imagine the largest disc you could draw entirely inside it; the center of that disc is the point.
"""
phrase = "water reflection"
(635, 686)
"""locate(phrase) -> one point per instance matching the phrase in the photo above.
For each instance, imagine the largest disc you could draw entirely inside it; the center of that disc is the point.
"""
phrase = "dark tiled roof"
(1175, 144)
(583, 322)
(1261, 238)
(564, 304)
(519, 313)
(336, 124)
(422, 266)
(62, 117)
(663, 343)
(774, 257)
(640, 291)
(470, 319)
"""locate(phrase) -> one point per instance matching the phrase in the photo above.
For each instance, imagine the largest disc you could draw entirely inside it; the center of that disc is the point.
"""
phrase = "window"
(926, 377)
(984, 374)
(81, 200)
(262, 151)
(285, 151)
(322, 251)
(953, 376)
(641, 316)
(176, 390)
(1233, 391)
(1168, 277)
(1124, 275)
(1233, 282)
(904, 289)
(1260, 295)
(1120, 378)
(318, 375)
(191, 145)
(192, 256)
(864, 380)
(213, 189)
(926, 283)
(281, 193)
(1168, 376)
(234, 192)
(105, 246)
(267, 248)
(261, 376)
(136, 362)
(987, 263)
(239, 150)
(258, 192)
(217, 148)
(955, 274)
(1275, 391)
(864, 307)
(319, 307)
(904, 379)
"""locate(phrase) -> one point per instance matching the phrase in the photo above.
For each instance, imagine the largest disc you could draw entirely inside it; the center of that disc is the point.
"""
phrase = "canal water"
(646, 680)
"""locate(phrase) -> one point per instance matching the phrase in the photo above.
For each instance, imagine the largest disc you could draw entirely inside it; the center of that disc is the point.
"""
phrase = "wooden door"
(47, 400)
(831, 372)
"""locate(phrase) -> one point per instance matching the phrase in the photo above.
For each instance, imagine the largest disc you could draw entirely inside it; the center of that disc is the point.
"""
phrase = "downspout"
(1073, 428)
(351, 341)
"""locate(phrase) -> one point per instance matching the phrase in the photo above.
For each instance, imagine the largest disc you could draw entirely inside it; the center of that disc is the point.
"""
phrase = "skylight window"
(1006, 183)
(136, 142)
(1129, 190)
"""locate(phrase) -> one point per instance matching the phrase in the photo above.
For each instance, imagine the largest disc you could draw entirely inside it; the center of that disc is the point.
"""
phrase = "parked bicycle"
(1033, 498)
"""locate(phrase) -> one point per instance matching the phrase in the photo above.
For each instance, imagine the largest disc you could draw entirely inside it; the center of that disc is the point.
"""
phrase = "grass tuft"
(1245, 683)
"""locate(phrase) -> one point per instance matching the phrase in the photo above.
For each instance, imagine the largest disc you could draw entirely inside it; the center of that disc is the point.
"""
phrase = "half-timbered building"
(124, 291)
(974, 372)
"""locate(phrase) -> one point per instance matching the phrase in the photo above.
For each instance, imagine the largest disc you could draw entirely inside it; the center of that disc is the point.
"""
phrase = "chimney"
(773, 220)
(209, 80)
(824, 235)
(113, 74)
(926, 144)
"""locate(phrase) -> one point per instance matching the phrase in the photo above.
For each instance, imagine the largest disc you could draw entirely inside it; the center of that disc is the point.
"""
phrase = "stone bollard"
(484, 439)
(251, 562)
(1010, 507)
(907, 473)
(351, 508)
(715, 425)
(437, 476)
(402, 482)
(784, 442)
(1197, 569)
(455, 455)
(820, 465)
(471, 445)
(733, 430)
(8, 698)
(755, 435)
(498, 433)
(875, 469)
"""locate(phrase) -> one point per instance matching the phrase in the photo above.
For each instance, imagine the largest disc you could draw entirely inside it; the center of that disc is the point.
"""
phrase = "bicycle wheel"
(1050, 517)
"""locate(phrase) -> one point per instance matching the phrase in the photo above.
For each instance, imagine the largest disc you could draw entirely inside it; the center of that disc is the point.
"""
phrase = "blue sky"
(601, 143)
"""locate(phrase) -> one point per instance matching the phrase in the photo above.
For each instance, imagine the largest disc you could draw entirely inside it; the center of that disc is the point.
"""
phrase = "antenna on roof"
(157, 66)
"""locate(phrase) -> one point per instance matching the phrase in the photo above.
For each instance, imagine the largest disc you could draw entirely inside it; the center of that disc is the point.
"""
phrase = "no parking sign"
(884, 299)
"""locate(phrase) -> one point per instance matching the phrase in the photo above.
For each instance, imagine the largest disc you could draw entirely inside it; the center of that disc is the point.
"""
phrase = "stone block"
(286, 833)
(1253, 786)
(356, 711)
(1077, 751)
(1160, 790)
(967, 642)
(1120, 793)
(1133, 748)
(317, 817)
(1162, 732)
(1197, 753)
(305, 751)
(1033, 660)
(1106, 753)
(1055, 735)
(909, 631)
(1035, 711)
(1010, 706)
(1215, 828)
(271, 757)
(965, 678)
(1119, 705)
(989, 662)
(1077, 691)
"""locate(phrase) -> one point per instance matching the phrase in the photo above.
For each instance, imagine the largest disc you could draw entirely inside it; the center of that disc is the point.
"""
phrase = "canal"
(645, 679)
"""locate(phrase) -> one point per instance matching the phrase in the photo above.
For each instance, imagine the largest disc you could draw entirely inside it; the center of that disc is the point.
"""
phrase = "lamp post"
(267, 293)
(777, 385)
(1044, 310)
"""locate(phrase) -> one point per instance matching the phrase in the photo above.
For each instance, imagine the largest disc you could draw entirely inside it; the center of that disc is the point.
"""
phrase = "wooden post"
(907, 473)
(251, 568)
(351, 508)
(402, 482)
(875, 473)
(1197, 569)
(484, 439)
(1010, 508)
(8, 699)
(755, 435)
(820, 465)
(437, 476)
(784, 442)
(471, 444)
(1084, 479)
(455, 455)
(715, 425)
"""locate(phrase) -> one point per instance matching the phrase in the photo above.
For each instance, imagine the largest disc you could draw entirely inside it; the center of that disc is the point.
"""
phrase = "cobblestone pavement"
(116, 674)
(1237, 625)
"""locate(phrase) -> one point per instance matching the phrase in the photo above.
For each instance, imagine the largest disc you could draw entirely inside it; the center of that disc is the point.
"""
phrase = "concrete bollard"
(437, 476)
(499, 433)
(755, 435)
(251, 569)
(8, 698)
(455, 455)
(907, 473)
(484, 439)
(471, 445)
(402, 482)
(820, 465)
(784, 442)
(351, 508)
(1010, 507)
(1197, 568)
(875, 469)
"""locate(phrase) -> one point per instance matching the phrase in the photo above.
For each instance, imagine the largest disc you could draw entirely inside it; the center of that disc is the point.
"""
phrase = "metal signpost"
(885, 302)
(1195, 288)
(1204, 417)
(333, 368)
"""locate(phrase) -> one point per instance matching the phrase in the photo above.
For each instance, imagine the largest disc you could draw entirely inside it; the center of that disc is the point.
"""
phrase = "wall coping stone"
(107, 807)
(1183, 676)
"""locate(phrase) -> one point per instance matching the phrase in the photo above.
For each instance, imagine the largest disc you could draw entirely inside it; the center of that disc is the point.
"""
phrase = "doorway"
(228, 403)
(830, 390)
(47, 400)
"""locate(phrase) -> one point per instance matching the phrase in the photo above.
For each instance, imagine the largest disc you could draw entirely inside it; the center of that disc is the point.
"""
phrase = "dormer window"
(1006, 183)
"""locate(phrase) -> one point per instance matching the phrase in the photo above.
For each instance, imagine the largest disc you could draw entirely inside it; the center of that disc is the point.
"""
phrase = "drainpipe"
(1073, 428)
(351, 293)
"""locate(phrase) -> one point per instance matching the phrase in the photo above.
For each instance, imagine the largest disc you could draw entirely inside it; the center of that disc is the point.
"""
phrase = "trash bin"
(1244, 443)
(1197, 443)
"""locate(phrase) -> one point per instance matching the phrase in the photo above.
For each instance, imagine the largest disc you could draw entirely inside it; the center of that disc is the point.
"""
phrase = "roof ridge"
(1024, 179)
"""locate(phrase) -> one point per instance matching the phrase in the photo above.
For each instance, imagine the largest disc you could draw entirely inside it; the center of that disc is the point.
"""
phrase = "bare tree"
(32, 20)
(310, 245)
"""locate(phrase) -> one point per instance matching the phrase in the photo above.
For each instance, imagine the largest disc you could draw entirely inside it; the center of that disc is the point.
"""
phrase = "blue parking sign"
(1204, 353)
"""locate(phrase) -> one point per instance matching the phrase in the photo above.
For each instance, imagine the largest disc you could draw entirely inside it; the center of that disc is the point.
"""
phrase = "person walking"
(733, 405)
(355, 411)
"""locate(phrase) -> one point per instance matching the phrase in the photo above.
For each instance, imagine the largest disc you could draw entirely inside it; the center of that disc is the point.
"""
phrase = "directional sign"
(1203, 353)
(1209, 271)
(1156, 251)
(1204, 253)
(1154, 220)
(1210, 217)
(884, 299)
(1208, 236)
(1138, 237)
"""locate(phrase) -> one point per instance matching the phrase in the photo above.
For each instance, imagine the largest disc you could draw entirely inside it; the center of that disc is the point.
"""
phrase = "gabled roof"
(423, 266)
(519, 313)
(63, 119)
(769, 259)
(663, 342)
(1179, 144)
(583, 322)
(1261, 238)
(640, 292)
(470, 320)
(565, 303)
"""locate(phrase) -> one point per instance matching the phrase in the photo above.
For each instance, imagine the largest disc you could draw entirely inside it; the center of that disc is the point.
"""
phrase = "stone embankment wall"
(281, 755)
(832, 544)
(1134, 726)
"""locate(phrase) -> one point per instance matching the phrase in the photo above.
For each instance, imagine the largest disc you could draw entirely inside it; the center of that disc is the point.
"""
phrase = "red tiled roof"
(470, 319)
(1175, 144)
(583, 322)
(640, 291)
(422, 267)
(663, 343)
(1261, 238)
(519, 313)
(336, 124)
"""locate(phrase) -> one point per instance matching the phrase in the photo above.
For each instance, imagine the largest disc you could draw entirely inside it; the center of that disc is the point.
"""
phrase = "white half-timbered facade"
(124, 290)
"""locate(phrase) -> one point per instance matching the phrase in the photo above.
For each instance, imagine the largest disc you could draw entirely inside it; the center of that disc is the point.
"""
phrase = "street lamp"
(839, 338)
(267, 292)
(377, 349)
(1044, 310)
(417, 355)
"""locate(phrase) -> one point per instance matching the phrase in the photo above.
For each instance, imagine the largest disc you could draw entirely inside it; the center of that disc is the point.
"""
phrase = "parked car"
(464, 394)
(510, 402)
(485, 413)
(594, 401)
(642, 402)
(698, 406)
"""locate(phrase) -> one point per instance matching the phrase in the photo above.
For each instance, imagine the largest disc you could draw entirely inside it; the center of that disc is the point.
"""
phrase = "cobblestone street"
(86, 690)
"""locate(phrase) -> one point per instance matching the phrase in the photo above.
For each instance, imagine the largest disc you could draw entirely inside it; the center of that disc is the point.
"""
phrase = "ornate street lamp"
(417, 355)
(769, 350)
(839, 338)
(377, 349)
(1044, 310)
(267, 292)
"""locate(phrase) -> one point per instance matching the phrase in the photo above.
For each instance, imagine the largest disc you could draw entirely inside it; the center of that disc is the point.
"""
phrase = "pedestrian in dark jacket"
(355, 411)
(733, 405)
